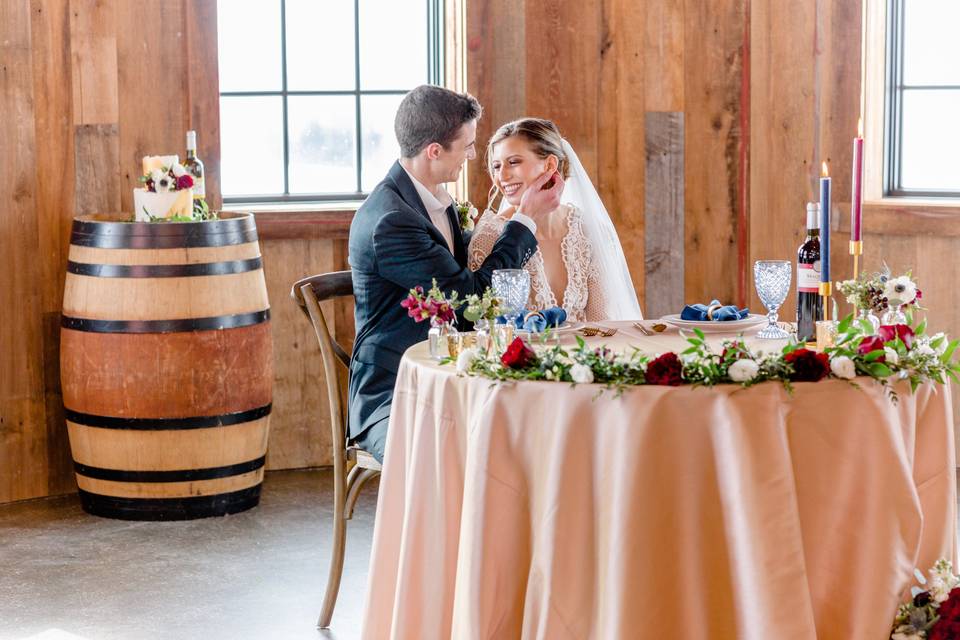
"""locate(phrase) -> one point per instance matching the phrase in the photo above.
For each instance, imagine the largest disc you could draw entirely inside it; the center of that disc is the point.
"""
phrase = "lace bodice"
(583, 298)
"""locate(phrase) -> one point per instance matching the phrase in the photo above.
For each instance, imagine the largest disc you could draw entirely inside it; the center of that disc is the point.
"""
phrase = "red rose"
(185, 181)
(890, 332)
(518, 355)
(666, 369)
(808, 366)
(948, 626)
(871, 343)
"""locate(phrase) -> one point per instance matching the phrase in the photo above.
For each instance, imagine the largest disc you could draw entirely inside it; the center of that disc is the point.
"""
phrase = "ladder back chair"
(308, 294)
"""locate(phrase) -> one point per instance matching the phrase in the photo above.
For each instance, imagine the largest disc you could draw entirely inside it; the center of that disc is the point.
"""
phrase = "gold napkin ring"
(532, 314)
(711, 309)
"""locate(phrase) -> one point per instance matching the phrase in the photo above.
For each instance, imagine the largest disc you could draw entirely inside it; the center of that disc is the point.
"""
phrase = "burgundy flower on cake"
(808, 366)
(890, 332)
(185, 181)
(518, 355)
(948, 627)
(665, 369)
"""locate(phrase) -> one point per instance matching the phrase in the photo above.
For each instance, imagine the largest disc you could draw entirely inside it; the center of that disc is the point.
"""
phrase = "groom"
(407, 233)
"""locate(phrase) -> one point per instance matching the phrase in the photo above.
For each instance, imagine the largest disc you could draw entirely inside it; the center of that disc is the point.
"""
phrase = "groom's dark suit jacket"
(394, 247)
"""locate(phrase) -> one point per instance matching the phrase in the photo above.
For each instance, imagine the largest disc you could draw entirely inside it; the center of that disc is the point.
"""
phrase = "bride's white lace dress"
(583, 298)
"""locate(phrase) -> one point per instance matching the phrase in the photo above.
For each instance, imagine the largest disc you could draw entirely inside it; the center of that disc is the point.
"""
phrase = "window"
(309, 89)
(922, 99)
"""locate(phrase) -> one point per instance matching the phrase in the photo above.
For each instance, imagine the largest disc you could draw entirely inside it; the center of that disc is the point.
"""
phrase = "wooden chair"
(309, 293)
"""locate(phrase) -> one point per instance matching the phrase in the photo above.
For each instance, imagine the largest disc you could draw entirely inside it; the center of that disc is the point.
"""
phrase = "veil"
(614, 275)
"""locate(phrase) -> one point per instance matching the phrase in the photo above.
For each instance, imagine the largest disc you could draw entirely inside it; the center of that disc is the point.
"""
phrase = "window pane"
(931, 47)
(251, 145)
(380, 146)
(323, 145)
(931, 137)
(393, 44)
(248, 33)
(320, 46)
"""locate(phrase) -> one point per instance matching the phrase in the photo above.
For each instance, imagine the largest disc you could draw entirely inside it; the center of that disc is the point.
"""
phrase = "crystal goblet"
(772, 279)
(512, 286)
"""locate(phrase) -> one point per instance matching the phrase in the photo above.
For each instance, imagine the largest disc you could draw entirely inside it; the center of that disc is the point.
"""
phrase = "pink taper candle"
(856, 209)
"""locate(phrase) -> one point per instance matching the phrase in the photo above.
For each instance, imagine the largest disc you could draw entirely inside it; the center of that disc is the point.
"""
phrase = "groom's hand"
(541, 199)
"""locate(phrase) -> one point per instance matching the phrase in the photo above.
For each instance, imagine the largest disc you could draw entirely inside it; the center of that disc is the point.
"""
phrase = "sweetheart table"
(540, 510)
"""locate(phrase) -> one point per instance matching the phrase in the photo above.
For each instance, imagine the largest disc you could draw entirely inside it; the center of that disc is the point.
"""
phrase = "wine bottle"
(194, 166)
(809, 303)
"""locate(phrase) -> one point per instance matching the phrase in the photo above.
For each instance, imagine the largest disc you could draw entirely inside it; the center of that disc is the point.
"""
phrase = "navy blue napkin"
(720, 314)
(538, 321)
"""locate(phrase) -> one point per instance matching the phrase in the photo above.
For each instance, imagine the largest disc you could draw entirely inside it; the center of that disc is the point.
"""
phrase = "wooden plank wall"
(763, 91)
(602, 70)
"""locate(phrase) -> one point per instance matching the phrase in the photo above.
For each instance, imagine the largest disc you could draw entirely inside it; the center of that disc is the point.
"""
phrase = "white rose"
(178, 169)
(743, 370)
(465, 360)
(891, 356)
(939, 590)
(900, 290)
(843, 367)
(926, 350)
(581, 374)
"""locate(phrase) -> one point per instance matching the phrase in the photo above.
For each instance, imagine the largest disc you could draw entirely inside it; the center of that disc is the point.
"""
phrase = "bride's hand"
(540, 199)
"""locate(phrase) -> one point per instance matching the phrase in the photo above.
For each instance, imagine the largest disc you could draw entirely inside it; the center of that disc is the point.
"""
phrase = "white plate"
(566, 327)
(754, 320)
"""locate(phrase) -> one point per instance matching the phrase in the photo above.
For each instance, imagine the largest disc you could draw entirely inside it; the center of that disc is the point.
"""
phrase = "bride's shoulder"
(490, 220)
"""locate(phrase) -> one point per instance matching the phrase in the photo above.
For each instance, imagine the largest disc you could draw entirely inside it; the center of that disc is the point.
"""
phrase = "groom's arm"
(408, 256)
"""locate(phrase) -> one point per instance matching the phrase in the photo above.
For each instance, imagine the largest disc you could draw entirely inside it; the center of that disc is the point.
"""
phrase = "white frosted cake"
(161, 205)
(168, 193)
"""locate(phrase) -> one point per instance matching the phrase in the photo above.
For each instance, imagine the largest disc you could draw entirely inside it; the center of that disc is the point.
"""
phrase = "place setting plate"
(753, 321)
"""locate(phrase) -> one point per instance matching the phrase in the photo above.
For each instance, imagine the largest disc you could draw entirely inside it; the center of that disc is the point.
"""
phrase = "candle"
(825, 226)
(856, 208)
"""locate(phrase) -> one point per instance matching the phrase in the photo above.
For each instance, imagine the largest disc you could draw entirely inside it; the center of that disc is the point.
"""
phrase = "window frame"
(436, 65)
(894, 88)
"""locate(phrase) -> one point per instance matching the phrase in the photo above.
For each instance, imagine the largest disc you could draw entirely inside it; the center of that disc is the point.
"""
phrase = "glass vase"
(482, 328)
(871, 317)
(894, 315)
(438, 338)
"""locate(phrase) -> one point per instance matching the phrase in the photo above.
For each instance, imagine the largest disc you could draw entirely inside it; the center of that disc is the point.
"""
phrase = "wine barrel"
(166, 366)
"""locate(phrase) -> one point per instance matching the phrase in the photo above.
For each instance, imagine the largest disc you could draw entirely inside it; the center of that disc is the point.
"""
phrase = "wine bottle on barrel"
(809, 303)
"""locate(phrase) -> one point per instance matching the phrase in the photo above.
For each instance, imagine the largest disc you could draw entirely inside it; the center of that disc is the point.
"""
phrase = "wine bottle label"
(808, 277)
(198, 189)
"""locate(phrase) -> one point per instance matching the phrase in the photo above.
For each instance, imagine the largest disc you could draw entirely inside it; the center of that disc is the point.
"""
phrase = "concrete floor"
(66, 575)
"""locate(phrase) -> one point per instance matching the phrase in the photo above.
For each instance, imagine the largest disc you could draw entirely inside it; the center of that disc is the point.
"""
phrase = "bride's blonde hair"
(544, 139)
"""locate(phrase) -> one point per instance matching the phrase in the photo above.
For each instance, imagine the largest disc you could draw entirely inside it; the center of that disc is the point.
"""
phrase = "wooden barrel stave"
(166, 367)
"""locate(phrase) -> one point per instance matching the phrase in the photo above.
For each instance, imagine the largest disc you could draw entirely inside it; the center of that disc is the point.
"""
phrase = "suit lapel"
(459, 251)
(407, 191)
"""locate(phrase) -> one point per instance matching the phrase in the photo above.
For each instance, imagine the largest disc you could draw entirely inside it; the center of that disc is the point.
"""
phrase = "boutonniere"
(467, 214)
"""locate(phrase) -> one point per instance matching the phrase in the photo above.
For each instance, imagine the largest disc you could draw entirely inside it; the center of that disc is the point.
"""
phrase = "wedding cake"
(167, 192)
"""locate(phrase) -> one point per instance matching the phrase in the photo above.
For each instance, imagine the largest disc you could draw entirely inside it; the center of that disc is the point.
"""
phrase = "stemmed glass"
(512, 286)
(772, 279)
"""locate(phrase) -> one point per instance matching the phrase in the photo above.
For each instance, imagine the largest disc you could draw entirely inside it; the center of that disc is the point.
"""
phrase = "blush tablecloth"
(538, 510)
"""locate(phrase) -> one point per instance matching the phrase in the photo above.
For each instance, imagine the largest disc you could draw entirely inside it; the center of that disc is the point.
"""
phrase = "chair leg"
(338, 547)
(354, 485)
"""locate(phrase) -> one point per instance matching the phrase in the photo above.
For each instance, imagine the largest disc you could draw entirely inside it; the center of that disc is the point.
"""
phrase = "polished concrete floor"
(66, 575)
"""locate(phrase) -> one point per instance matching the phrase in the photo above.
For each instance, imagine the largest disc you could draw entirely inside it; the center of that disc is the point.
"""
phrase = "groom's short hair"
(432, 114)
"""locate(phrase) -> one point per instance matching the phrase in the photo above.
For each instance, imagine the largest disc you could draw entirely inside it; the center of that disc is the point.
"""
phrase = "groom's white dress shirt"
(437, 210)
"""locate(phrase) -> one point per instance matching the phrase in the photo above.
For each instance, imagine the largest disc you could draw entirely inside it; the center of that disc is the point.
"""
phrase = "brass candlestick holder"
(856, 250)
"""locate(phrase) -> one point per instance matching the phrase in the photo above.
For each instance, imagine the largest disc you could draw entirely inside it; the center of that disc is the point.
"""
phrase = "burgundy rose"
(890, 332)
(808, 366)
(666, 369)
(922, 599)
(185, 181)
(948, 627)
(518, 355)
(869, 344)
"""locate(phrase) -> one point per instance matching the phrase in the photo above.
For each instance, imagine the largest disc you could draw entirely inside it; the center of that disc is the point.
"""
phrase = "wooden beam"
(663, 207)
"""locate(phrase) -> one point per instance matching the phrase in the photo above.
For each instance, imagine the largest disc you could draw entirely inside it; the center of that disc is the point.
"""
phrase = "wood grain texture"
(93, 48)
(620, 137)
(97, 163)
(53, 99)
(167, 375)
(663, 204)
(22, 422)
(203, 91)
(170, 489)
(712, 45)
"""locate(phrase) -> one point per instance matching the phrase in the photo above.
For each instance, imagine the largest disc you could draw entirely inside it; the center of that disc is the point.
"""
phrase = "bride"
(579, 264)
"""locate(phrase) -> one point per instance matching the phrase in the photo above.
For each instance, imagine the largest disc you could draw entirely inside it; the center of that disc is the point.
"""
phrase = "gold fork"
(642, 329)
